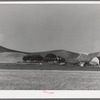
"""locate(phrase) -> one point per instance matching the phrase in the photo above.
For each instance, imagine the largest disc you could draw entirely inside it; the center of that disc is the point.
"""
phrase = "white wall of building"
(95, 59)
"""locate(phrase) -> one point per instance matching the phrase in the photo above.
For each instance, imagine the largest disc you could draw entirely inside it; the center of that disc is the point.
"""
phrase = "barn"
(94, 61)
(82, 60)
(90, 59)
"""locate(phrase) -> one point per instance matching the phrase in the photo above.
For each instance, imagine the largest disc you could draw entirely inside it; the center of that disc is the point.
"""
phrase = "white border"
(6, 94)
(49, 2)
(57, 94)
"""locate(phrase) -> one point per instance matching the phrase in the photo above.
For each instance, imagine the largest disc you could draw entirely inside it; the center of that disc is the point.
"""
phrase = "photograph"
(49, 47)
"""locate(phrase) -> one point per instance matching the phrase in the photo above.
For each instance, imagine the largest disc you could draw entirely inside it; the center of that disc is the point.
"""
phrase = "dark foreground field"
(20, 66)
(68, 79)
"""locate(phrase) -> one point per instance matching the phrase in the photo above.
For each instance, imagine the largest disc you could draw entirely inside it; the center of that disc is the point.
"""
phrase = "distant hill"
(10, 56)
(13, 56)
(65, 54)
(3, 49)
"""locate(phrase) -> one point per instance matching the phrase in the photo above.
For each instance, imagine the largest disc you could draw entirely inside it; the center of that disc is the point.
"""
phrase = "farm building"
(94, 61)
(90, 59)
(81, 64)
(71, 62)
(82, 60)
(93, 58)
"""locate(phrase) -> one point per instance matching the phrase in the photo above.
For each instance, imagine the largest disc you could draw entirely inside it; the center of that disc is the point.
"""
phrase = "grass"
(23, 79)
(30, 66)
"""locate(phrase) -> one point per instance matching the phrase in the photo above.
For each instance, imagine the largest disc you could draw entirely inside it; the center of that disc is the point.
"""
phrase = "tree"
(86, 63)
(50, 57)
(38, 58)
(26, 58)
(32, 58)
(60, 59)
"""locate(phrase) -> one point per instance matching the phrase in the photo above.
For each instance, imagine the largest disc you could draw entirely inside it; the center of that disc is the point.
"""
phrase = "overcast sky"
(35, 28)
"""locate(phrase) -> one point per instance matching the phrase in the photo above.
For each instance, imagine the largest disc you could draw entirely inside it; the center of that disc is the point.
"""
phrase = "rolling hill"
(10, 56)
(3, 49)
(14, 56)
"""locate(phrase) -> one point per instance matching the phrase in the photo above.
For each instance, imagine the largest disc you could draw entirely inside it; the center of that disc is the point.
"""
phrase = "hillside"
(10, 56)
(13, 56)
(3, 49)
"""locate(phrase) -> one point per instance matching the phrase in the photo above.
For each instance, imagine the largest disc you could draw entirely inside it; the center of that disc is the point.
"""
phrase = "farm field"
(28, 79)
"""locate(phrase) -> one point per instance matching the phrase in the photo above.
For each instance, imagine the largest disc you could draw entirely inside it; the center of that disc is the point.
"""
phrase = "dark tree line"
(47, 58)
(32, 58)
(50, 58)
(61, 59)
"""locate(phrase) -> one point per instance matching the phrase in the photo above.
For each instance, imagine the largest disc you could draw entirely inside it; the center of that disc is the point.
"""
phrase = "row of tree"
(47, 58)
(32, 58)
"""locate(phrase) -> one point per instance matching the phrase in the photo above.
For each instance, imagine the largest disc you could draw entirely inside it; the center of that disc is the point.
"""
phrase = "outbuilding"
(95, 61)
(82, 64)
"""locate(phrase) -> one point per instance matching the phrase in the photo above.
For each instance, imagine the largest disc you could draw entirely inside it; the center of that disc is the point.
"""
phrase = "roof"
(82, 57)
(72, 61)
(92, 55)
(88, 57)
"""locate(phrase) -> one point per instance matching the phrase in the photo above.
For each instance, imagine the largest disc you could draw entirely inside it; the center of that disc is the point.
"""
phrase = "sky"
(37, 27)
